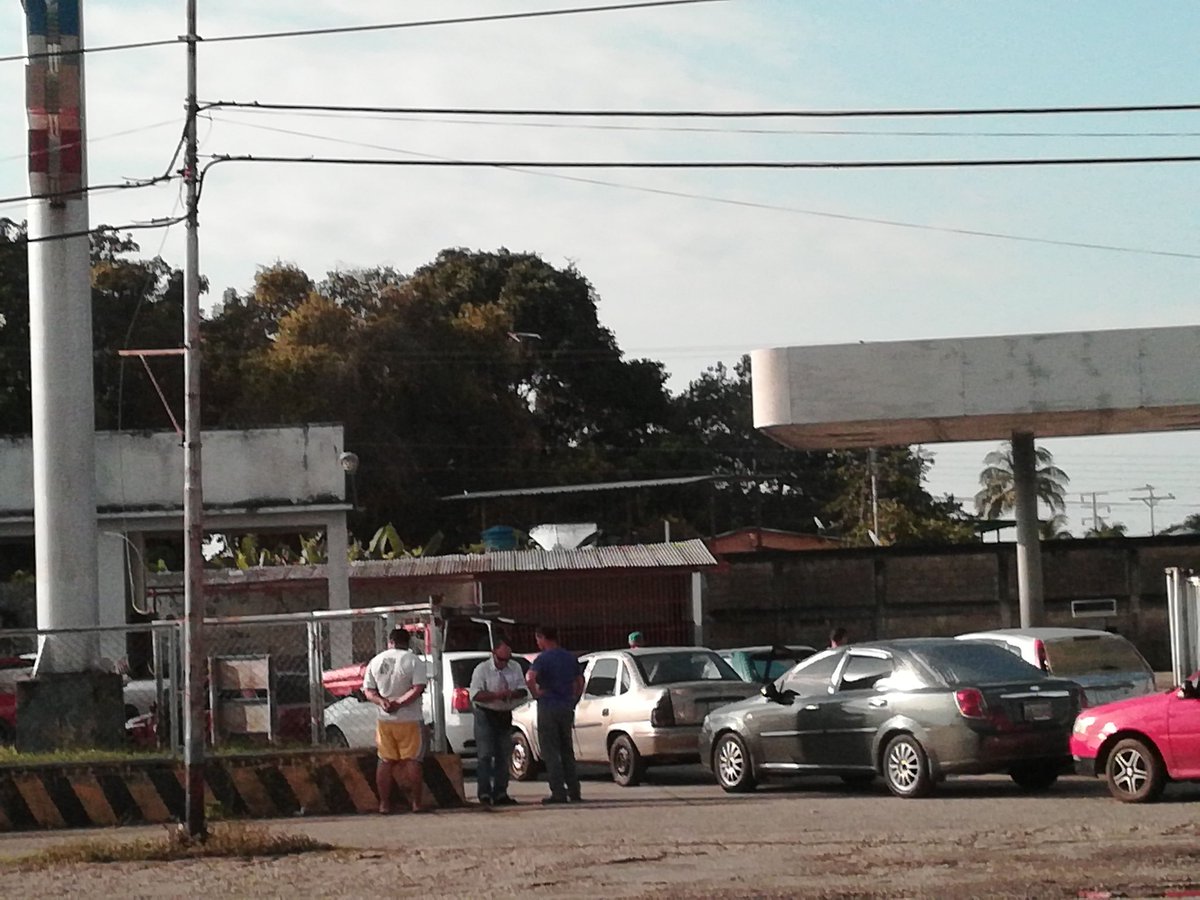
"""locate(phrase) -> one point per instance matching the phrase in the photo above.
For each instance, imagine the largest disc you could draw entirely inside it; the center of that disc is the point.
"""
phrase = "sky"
(693, 267)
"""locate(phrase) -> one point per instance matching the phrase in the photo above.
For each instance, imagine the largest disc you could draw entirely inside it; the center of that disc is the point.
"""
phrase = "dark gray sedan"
(913, 710)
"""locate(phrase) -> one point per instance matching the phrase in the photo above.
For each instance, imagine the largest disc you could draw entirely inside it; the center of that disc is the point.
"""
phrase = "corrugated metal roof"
(682, 555)
(691, 554)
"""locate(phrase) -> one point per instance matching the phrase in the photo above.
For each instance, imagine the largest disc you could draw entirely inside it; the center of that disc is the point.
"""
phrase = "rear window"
(971, 662)
(670, 668)
(1092, 655)
(461, 670)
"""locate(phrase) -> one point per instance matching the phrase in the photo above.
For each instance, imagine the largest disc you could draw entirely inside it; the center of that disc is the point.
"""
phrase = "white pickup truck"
(350, 721)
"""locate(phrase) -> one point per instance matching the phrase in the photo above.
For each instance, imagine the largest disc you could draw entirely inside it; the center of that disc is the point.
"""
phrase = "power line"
(704, 113)
(1025, 162)
(750, 204)
(700, 129)
(360, 29)
(88, 189)
(165, 222)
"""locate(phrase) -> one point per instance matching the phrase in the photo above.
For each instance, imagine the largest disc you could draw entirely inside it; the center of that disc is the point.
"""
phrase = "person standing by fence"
(556, 679)
(394, 681)
(497, 688)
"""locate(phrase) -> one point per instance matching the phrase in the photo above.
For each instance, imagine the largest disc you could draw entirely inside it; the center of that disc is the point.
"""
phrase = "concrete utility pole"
(1029, 547)
(60, 338)
(194, 675)
(1151, 501)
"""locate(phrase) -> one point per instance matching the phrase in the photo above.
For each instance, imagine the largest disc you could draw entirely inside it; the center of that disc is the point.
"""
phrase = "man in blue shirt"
(556, 680)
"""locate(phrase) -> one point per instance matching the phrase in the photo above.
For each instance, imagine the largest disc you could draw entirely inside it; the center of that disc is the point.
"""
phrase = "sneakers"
(504, 801)
(485, 800)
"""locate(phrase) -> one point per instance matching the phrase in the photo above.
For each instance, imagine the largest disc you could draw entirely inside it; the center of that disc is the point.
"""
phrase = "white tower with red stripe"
(60, 325)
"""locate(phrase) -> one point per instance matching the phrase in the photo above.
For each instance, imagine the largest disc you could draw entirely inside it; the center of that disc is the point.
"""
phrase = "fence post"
(316, 683)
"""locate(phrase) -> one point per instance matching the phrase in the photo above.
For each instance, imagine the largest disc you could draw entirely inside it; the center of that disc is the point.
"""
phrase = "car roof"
(766, 648)
(644, 651)
(1040, 634)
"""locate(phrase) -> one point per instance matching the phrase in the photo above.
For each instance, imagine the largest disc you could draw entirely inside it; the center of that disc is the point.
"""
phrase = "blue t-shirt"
(557, 670)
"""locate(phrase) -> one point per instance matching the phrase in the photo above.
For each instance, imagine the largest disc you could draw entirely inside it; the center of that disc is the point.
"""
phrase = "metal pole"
(874, 493)
(193, 496)
(1029, 548)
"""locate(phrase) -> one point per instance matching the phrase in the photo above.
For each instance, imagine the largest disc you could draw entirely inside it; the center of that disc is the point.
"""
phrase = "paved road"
(681, 836)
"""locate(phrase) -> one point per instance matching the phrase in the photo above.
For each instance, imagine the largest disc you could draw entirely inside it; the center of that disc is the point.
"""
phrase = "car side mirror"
(1189, 690)
(775, 695)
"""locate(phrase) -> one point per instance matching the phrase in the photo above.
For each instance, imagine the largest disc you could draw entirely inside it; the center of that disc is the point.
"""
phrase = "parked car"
(912, 710)
(1139, 744)
(1107, 666)
(350, 721)
(640, 707)
(763, 664)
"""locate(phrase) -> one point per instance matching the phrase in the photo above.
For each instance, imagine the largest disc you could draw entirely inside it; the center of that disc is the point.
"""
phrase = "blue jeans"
(493, 746)
(555, 736)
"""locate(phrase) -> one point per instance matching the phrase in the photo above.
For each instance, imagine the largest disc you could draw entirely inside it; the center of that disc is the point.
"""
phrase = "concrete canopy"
(970, 389)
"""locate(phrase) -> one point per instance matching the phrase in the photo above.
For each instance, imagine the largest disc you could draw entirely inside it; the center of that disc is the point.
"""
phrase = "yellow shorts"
(399, 741)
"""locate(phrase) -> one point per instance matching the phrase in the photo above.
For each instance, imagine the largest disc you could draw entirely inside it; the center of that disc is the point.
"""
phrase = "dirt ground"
(679, 836)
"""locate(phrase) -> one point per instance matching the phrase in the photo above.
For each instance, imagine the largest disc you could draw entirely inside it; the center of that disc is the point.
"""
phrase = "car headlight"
(1083, 723)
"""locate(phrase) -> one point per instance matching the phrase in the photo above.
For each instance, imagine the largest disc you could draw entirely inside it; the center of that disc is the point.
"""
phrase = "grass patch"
(229, 840)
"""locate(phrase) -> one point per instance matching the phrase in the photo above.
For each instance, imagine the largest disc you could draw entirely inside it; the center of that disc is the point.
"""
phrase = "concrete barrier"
(252, 785)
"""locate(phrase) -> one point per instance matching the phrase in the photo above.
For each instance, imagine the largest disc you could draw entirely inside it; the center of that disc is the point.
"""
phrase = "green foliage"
(998, 493)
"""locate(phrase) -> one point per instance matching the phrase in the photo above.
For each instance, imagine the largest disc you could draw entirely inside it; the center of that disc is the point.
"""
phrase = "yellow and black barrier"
(252, 785)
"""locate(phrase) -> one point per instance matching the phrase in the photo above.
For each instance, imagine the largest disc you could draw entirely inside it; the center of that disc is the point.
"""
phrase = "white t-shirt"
(392, 674)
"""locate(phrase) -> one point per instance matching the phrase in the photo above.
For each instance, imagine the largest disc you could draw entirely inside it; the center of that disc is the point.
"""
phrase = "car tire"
(628, 767)
(1135, 772)
(1035, 776)
(858, 779)
(731, 764)
(521, 765)
(906, 768)
(335, 738)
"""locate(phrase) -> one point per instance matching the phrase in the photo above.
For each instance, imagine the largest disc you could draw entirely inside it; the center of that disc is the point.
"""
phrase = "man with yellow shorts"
(394, 681)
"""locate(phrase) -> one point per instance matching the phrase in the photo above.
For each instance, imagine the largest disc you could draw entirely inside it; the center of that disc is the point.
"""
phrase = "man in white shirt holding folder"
(497, 688)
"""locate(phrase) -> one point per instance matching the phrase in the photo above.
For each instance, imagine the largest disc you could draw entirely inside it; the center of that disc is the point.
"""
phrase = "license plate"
(1039, 711)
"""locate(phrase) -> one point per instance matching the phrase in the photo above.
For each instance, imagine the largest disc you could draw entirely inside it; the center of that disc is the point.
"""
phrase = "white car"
(1105, 665)
(350, 721)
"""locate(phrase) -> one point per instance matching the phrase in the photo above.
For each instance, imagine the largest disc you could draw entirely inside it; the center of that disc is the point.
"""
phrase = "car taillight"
(461, 701)
(971, 704)
(663, 713)
(1039, 653)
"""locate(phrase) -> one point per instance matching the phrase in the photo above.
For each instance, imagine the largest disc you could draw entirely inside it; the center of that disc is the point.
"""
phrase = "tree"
(1112, 529)
(1190, 525)
(998, 495)
(1054, 528)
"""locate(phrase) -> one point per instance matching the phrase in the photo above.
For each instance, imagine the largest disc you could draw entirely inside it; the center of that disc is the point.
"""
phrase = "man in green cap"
(635, 640)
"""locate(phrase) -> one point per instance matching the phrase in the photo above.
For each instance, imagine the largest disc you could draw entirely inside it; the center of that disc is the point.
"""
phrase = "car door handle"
(812, 707)
(877, 701)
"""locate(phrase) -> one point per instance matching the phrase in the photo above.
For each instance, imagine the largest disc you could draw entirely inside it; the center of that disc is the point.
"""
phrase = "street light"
(349, 463)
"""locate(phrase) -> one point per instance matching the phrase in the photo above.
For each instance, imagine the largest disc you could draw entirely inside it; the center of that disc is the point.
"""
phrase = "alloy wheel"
(1130, 771)
(904, 765)
(731, 762)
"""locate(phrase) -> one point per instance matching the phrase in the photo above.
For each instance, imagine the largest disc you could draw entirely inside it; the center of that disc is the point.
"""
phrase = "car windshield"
(973, 662)
(670, 667)
(1091, 655)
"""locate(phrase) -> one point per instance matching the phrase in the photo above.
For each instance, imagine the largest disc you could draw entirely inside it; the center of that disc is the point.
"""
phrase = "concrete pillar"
(114, 573)
(698, 609)
(60, 330)
(1029, 547)
(337, 572)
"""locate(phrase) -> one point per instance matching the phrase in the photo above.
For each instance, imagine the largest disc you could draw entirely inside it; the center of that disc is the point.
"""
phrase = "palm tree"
(1190, 525)
(1055, 528)
(999, 495)
(1113, 529)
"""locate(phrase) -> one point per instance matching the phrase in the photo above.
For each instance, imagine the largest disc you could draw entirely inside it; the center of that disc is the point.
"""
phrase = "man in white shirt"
(497, 688)
(394, 681)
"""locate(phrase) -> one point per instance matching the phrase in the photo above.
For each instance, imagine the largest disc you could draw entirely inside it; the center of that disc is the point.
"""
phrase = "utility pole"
(1097, 523)
(193, 495)
(1151, 501)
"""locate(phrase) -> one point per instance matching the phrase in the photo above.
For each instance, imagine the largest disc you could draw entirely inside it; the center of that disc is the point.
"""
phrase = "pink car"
(1138, 745)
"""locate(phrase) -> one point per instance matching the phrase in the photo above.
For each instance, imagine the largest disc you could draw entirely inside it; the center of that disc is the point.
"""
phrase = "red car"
(1139, 744)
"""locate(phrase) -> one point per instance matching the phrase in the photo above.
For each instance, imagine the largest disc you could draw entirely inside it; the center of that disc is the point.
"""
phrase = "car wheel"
(1134, 772)
(731, 764)
(906, 767)
(335, 738)
(858, 779)
(521, 765)
(1039, 776)
(626, 764)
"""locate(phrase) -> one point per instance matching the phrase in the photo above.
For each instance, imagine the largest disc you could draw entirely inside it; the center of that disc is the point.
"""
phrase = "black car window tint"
(603, 680)
(862, 672)
(813, 677)
(972, 662)
(678, 666)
